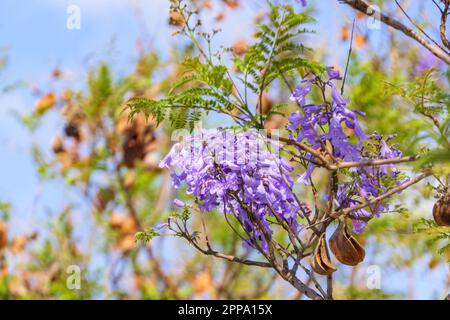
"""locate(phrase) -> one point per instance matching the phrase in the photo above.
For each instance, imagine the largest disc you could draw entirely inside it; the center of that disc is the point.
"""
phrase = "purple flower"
(323, 124)
(337, 97)
(236, 174)
(333, 74)
(299, 94)
(295, 119)
(178, 203)
(304, 178)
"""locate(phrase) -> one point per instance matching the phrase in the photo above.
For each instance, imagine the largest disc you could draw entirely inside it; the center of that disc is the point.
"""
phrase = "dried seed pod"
(3, 236)
(57, 145)
(103, 197)
(345, 247)
(176, 19)
(441, 211)
(275, 122)
(72, 130)
(232, 4)
(126, 243)
(240, 47)
(266, 102)
(45, 103)
(360, 40)
(139, 140)
(18, 244)
(321, 262)
(203, 282)
(345, 33)
(125, 225)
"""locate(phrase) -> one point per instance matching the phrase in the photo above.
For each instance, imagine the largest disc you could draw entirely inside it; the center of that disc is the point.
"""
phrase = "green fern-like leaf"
(277, 49)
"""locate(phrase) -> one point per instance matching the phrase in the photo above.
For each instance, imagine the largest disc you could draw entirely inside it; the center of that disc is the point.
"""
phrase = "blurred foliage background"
(109, 166)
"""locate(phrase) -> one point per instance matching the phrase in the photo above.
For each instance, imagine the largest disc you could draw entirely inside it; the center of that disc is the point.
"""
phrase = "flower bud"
(178, 203)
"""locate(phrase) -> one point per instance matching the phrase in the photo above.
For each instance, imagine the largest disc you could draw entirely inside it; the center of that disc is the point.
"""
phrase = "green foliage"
(207, 84)
(182, 110)
(424, 93)
(429, 99)
(276, 51)
(146, 236)
(438, 235)
(368, 93)
(100, 88)
(5, 209)
(357, 293)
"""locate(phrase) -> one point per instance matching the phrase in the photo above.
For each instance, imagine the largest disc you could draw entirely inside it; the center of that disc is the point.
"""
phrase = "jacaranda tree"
(252, 174)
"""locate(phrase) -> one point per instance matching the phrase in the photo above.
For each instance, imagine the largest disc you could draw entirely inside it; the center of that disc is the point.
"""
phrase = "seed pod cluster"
(441, 211)
(139, 139)
(345, 247)
(321, 262)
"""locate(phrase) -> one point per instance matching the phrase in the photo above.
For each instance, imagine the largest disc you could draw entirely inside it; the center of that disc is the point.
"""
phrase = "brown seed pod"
(176, 19)
(72, 130)
(441, 211)
(266, 102)
(345, 33)
(45, 103)
(232, 4)
(240, 47)
(360, 40)
(18, 244)
(125, 225)
(3, 236)
(57, 145)
(321, 262)
(139, 140)
(126, 243)
(103, 197)
(345, 247)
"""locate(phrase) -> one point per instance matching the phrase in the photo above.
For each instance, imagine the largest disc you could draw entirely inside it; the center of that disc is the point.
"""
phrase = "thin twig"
(348, 56)
(364, 8)
(375, 162)
(347, 211)
(330, 286)
(444, 14)
(343, 165)
(419, 27)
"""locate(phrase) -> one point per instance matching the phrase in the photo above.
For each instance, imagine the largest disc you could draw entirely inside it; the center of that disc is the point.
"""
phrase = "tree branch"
(444, 14)
(419, 27)
(363, 7)
(234, 258)
(391, 192)
(323, 162)
(210, 252)
(375, 162)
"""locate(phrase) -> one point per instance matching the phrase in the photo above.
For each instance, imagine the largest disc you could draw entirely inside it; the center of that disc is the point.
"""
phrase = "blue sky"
(37, 41)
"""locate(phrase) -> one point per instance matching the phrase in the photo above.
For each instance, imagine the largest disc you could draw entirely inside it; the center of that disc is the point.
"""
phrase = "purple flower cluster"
(237, 174)
(332, 123)
(368, 182)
